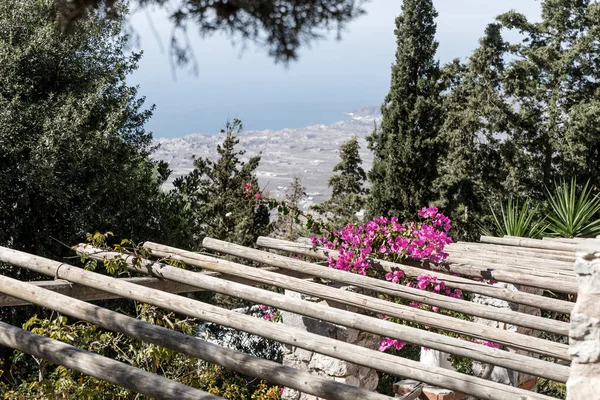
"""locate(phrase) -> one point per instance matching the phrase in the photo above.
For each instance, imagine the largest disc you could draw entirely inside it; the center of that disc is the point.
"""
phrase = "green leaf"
(572, 212)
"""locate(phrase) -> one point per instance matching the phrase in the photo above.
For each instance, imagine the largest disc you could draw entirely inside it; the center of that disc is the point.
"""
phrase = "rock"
(322, 365)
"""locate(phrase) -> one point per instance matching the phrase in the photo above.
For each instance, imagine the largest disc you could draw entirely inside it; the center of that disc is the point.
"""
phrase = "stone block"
(584, 339)
(322, 365)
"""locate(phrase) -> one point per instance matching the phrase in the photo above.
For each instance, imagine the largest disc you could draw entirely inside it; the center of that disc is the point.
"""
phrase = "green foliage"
(405, 146)
(524, 221)
(347, 197)
(351, 177)
(73, 149)
(28, 377)
(572, 214)
(518, 116)
(552, 388)
(221, 198)
(33, 378)
(283, 26)
(470, 168)
(552, 82)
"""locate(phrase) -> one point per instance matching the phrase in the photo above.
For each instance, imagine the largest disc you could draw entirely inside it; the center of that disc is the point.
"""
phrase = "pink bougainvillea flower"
(386, 343)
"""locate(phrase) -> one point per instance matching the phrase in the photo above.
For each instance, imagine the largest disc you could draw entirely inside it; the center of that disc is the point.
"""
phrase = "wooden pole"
(375, 285)
(295, 337)
(540, 279)
(456, 254)
(526, 257)
(411, 314)
(464, 284)
(515, 268)
(90, 294)
(190, 345)
(534, 243)
(337, 316)
(527, 251)
(567, 240)
(100, 367)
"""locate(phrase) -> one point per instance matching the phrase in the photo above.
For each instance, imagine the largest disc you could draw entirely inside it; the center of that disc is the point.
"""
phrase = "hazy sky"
(330, 78)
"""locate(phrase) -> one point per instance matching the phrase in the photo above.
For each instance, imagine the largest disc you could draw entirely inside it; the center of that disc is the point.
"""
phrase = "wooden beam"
(190, 345)
(514, 251)
(342, 317)
(295, 337)
(376, 285)
(464, 284)
(100, 367)
(499, 260)
(543, 279)
(526, 242)
(528, 261)
(90, 294)
(411, 314)
(567, 240)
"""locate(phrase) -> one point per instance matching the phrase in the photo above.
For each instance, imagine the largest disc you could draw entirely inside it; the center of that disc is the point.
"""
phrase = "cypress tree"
(554, 81)
(476, 115)
(347, 186)
(222, 196)
(405, 146)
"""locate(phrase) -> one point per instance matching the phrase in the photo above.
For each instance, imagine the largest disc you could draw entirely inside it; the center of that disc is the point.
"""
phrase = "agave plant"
(571, 214)
(523, 221)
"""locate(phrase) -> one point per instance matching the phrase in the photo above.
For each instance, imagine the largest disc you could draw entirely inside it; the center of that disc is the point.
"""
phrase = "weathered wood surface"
(520, 262)
(464, 284)
(90, 294)
(403, 312)
(543, 279)
(539, 279)
(526, 259)
(516, 267)
(355, 354)
(190, 345)
(372, 284)
(100, 367)
(497, 249)
(341, 317)
(533, 243)
(567, 240)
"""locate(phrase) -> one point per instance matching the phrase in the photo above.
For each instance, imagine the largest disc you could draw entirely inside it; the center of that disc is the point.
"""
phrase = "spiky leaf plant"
(573, 213)
(515, 220)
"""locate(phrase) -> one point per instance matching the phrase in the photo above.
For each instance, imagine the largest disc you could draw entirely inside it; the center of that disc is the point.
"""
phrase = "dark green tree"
(221, 197)
(283, 26)
(405, 146)
(347, 186)
(73, 149)
(476, 115)
(553, 79)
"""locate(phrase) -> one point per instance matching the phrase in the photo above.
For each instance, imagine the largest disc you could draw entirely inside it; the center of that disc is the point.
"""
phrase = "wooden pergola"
(544, 264)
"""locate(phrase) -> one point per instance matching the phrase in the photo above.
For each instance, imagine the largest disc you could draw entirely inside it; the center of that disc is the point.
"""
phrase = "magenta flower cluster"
(387, 343)
(269, 314)
(386, 238)
(432, 284)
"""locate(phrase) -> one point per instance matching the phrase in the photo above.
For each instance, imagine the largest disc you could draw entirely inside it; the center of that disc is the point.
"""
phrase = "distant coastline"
(309, 152)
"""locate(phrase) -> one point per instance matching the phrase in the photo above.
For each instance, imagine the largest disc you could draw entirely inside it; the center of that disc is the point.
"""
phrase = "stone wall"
(318, 364)
(499, 374)
(584, 334)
